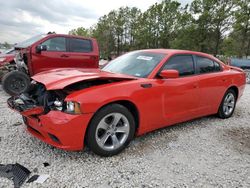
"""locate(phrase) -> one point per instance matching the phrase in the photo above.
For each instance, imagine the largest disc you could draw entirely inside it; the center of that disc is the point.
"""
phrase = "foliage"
(219, 27)
(6, 45)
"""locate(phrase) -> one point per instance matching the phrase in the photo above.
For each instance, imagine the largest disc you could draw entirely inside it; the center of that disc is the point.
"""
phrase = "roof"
(175, 51)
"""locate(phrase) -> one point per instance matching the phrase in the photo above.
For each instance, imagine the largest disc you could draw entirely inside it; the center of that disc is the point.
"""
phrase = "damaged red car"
(136, 93)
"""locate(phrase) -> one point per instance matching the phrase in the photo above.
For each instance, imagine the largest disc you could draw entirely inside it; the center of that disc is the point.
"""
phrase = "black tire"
(15, 82)
(221, 112)
(98, 117)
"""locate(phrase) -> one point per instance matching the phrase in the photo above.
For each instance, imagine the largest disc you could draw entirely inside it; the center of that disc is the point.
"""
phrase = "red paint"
(169, 74)
(167, 102)
(47, 60)
(7, 58)
(60, 78)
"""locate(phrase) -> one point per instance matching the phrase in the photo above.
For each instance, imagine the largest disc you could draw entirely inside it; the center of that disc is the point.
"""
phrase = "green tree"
(242, 27)
(211, 26)
(6, 45)
(212, 19)
(81, 31)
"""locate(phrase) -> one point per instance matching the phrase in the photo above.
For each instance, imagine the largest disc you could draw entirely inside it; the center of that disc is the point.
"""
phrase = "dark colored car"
(243, 64)
(49, 51)
(7, 61)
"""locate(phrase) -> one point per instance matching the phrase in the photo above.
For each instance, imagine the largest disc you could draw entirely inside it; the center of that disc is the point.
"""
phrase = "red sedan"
(136, 93)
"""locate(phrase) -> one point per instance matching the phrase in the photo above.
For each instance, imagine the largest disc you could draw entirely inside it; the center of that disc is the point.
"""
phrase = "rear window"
(205, 65)
(80, 45)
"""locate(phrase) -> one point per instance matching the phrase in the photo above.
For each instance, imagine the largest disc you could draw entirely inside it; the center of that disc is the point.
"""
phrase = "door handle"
(146, 85)
(224, 79)
(64, 55)
(195, 86)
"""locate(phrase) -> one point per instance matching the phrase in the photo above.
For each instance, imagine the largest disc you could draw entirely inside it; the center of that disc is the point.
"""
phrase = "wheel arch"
(126, 103)
(235, 89)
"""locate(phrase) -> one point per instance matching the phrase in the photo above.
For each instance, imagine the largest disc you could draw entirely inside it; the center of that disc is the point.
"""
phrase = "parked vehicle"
(136, 93)
(46, 52)
(243, 64)
(7, 62)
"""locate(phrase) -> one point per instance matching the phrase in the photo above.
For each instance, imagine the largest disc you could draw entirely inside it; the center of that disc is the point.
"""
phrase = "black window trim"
(196, 65)
(69, 47)
(184, 54)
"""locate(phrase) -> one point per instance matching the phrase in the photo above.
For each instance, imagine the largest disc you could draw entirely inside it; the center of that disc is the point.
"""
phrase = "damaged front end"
(48, 112)
(37, 100)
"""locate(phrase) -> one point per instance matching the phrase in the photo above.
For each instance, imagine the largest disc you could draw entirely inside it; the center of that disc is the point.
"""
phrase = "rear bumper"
(59, 129)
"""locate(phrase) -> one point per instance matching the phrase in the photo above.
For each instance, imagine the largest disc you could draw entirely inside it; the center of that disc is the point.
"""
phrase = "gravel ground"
(207, 152)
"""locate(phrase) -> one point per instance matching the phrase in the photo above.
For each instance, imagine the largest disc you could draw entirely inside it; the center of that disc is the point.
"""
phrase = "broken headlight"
(58, 105)
(72, 107)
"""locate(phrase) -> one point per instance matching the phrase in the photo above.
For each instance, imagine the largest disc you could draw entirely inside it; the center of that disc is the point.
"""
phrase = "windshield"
(139, 64)
(30, 41)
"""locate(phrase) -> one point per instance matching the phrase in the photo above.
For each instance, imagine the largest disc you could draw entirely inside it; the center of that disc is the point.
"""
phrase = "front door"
(181, 95)
(55, 56)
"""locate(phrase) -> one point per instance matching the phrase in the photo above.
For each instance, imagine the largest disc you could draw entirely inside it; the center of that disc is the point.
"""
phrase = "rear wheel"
(111, 130)
(227, 105)
(15, 82)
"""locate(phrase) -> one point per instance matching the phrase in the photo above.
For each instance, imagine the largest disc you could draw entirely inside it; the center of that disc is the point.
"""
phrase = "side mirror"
(169, 74)
(40, 48)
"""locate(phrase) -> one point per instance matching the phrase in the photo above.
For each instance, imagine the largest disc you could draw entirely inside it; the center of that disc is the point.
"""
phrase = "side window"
(217, 67)
(80, 45)
(182, 63)
(205, 65)
(56, 44)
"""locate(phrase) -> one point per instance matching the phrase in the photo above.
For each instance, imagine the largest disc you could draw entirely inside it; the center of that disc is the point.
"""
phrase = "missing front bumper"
(24, 106)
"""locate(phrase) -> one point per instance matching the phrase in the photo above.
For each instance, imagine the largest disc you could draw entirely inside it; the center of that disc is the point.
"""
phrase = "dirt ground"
(207, 152)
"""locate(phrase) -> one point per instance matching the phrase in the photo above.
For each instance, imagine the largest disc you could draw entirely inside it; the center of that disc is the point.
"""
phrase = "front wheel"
(227, 105)
(15, 82)
(111, 130)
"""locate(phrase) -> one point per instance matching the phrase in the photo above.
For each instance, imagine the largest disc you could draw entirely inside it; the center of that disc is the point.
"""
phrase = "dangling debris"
(15, 172)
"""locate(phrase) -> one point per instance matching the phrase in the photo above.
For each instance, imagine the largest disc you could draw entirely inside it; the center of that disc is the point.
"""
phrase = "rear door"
(83, 53)
(53, 57)
(211, 83)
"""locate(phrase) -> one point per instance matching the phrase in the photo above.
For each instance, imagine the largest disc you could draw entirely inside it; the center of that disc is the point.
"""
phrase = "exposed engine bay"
(37, 97)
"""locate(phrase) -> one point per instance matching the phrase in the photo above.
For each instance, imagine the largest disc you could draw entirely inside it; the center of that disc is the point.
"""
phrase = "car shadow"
(139, 146)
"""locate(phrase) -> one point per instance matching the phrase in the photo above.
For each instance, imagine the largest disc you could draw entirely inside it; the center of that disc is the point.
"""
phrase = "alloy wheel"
(112, 131)
(229, 104)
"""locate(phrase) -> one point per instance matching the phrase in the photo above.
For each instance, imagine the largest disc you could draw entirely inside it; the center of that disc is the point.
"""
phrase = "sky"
(22, 19)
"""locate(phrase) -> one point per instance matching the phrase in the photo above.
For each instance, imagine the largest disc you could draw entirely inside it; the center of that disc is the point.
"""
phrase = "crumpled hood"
(60, 78)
